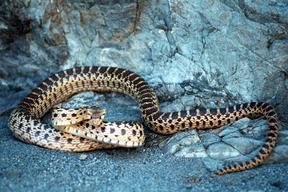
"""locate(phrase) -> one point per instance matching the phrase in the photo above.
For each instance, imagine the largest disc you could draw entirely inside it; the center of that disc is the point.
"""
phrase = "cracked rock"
(222, 151)
(208, 138)
(185, 144)
(242, 144)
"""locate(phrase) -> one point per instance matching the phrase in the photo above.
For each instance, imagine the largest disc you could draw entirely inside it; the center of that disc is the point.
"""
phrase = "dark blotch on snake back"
(77, 70)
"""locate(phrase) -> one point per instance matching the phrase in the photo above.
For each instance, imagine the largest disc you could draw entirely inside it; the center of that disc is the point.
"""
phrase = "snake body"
(88, 122)
(25, 121)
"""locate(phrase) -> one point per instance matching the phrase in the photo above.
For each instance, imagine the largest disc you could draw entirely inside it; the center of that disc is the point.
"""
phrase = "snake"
(26, 125)
(88, 122)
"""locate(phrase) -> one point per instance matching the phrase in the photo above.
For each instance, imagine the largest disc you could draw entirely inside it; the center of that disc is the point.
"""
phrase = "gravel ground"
(25, 167)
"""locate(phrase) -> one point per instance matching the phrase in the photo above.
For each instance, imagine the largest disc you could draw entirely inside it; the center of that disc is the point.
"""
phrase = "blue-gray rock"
(208, 138)
(185, 144)
(280, 154)
(243, 144)
(221, 151)
(230, 131)
(283, 137)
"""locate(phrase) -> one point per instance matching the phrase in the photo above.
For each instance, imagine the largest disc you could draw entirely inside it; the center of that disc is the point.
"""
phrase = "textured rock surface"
(217, 52)
(194, 53)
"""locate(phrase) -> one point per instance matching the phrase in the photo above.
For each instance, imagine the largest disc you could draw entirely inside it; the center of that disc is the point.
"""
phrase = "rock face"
(208, 53)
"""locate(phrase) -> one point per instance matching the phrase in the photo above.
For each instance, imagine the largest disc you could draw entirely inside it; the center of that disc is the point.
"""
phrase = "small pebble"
(83, 156)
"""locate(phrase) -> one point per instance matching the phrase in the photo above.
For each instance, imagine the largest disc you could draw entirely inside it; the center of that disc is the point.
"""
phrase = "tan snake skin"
(25, 121)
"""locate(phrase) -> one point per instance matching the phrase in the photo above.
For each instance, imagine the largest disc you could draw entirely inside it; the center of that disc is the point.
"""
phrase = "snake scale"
(25, 121)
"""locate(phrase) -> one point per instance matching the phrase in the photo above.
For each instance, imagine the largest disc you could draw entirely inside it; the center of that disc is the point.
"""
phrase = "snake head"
(62, 117)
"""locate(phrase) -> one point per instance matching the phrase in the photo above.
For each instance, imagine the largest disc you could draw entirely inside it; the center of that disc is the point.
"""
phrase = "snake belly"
(25, 122)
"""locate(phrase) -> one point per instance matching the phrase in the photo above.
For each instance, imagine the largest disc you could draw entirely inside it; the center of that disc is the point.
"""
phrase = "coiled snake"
(25, 122)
